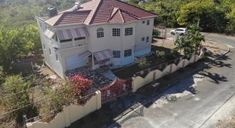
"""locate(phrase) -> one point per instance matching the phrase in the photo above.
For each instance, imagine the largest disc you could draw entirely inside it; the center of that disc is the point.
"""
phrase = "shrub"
(80, 85)
(142, 63)
(156, 33)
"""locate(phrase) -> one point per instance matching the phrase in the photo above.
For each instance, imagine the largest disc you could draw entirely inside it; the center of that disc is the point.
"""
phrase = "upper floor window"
(148, 22)
(147, 39)
(79, 38)
(65, 40)
(128, 31)
(100, 33)
(116, 32)
(116, 54)
(127, 52)
(142, 38)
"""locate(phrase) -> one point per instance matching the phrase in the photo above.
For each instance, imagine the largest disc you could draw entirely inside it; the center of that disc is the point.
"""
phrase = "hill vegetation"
(211, 15)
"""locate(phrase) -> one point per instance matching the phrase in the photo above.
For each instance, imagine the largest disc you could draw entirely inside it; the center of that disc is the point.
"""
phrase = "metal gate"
(116, 89)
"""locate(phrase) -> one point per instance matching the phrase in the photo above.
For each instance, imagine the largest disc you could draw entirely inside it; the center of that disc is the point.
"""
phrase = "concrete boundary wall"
(138, 81)
(70, 114)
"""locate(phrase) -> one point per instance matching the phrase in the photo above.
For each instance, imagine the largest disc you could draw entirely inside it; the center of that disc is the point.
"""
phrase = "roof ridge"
(95, 11)
(60, 18)
(113, 13)
(120, 12)
(130, 14)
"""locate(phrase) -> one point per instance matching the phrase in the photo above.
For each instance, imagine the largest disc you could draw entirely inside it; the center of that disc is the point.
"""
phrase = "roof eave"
(67, 25)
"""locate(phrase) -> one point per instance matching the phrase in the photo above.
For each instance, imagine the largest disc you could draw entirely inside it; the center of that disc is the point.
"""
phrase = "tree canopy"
(212, 15)
(17, 42)
(190, 42)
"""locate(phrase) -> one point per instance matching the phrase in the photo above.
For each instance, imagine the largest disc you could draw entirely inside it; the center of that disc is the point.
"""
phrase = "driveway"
(215, 98)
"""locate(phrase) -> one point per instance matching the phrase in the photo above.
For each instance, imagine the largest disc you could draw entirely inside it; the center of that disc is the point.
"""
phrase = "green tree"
(191, 42)
(54, 101)
(134, 2)
(231, 16)
(31, 39)
(16, 97)
(209, 15)
(15, 92)
(17, 42)
(9, 46)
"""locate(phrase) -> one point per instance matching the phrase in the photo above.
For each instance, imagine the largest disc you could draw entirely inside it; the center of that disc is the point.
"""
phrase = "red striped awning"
(103, 55)
(79, 32)
(85, 54)
(65, 34)
(71, 33)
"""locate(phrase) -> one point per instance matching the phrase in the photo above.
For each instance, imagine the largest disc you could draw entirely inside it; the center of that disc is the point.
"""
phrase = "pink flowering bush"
(80, 85)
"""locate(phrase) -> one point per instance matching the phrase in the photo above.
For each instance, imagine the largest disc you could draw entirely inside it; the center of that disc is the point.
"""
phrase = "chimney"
(52, 11)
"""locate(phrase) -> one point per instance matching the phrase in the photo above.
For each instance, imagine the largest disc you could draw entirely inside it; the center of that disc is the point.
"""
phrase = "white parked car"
(179, 31)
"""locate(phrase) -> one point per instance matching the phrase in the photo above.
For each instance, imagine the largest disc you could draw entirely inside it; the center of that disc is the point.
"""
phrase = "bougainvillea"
(80, 85)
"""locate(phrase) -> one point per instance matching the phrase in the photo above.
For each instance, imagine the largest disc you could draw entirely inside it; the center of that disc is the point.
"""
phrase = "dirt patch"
(229, 123)
(214, 47)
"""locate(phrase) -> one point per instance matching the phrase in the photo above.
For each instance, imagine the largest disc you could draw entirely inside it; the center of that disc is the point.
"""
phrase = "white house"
(95, 33)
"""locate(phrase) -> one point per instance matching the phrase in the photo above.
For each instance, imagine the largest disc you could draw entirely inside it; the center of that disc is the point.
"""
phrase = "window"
(116, 54)
(100, 32)
(143, 22)
(49, 51)
(142, 38)
(67, 40)
(79, 38)
(56, 57)
(128, 31)
(147, 39)
(148, 22)
(116, 32)
(127, 52)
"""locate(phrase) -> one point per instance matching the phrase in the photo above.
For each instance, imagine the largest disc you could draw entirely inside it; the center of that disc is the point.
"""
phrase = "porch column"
(93, 61)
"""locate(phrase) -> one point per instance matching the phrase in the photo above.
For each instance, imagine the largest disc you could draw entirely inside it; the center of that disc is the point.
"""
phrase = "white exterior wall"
(122, 42)
(119, 43)
(50, 59)
(144, 30)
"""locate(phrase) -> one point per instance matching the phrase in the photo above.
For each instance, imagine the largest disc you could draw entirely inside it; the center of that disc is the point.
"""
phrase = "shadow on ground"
(108, 115)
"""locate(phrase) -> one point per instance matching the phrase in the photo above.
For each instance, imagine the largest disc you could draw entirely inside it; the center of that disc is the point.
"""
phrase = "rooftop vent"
(76, 6)
(52, 11)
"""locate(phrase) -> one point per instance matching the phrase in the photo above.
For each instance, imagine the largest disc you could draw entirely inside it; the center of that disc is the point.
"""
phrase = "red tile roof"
(101, 11)
(76, 17)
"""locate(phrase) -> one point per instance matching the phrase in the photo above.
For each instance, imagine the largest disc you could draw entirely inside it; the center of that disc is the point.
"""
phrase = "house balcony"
(73, 43)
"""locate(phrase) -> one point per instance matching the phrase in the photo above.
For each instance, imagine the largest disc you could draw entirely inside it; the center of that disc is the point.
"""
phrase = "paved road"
(215, 93)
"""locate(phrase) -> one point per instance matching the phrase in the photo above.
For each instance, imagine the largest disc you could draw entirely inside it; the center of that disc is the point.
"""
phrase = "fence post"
(183, 63)
(171, 68)
(154, 76)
